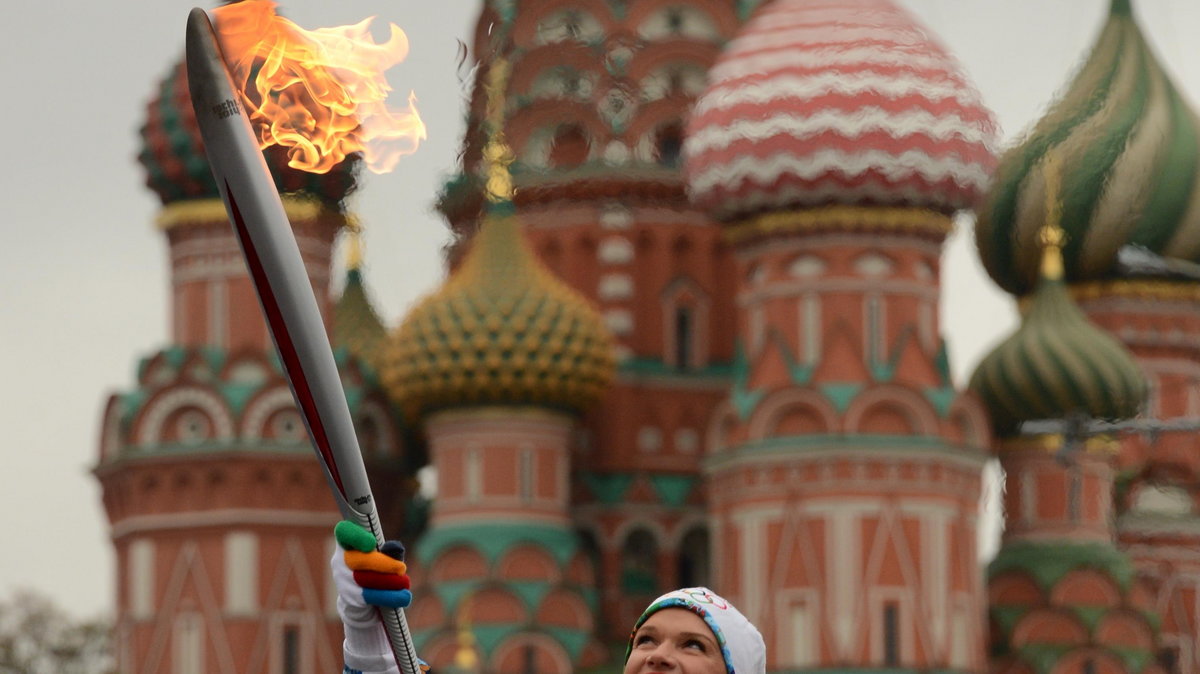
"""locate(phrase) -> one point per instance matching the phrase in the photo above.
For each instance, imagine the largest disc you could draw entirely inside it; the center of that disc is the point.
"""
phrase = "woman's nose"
(662, 655)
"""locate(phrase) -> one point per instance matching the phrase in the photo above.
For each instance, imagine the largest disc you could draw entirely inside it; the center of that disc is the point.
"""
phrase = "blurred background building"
(698, 344)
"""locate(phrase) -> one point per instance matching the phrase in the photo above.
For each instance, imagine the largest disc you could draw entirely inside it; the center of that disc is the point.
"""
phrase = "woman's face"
(675, 640)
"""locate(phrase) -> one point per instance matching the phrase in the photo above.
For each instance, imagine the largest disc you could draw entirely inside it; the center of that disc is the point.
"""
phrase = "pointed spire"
(497, 156)
(354, 252)
(1052, 237)
(1121, 8)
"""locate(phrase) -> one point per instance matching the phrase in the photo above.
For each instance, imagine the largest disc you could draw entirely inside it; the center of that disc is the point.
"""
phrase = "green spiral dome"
(502, 331)
(1057, 364)
(1130, 148)
(177, 169)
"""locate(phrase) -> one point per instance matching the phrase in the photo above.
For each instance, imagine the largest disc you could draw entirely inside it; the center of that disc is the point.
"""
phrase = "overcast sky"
(83, 281)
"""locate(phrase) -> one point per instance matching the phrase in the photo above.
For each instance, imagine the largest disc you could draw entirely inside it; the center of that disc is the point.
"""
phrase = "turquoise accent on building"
(1090, 615)
(131, 402)
(572, 640)
(803, 444)
(232, 445)
(654, 366)
(1042, 657)
(493, 540)
(609, 488)
(451, 592)
(215, 357)
(746, 7)
(841, 395)
(208, 362)
(236, 394)
(801, 375)
(1135, 659)
(882, 372)
(941, 399)
(501, 209)
(488, 637)
(744, 400)
(354, 396)
(942, 362)
(1046, 563)
(1007, 617)
(673, 489)
(422, 637)
(531, 592)
(864, 670)
(274, 361)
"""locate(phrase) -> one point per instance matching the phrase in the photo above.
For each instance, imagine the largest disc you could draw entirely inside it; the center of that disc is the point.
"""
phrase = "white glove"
(366, 648)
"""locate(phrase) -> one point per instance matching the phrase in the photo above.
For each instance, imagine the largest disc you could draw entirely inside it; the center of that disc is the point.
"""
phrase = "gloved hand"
(367, 578)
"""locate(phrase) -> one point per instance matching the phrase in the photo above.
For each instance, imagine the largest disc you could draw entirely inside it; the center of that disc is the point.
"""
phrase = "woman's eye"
(694, 643)
(642, 639)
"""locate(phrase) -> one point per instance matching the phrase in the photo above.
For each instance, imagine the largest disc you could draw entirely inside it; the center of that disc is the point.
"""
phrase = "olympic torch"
(273, 258)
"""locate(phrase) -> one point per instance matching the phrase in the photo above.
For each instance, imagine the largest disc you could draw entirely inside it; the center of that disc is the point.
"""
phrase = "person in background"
(687, 631)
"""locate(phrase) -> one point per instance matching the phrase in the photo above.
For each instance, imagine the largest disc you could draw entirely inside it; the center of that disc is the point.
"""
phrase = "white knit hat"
(741, 644)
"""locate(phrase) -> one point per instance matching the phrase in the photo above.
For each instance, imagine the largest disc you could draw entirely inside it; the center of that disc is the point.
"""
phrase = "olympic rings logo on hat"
(703, 596)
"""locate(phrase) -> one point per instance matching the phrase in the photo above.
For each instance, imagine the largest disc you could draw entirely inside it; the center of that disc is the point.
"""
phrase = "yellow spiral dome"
(502, 330)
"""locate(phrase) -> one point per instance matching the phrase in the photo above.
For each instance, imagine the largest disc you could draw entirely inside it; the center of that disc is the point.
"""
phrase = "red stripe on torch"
(283, 341)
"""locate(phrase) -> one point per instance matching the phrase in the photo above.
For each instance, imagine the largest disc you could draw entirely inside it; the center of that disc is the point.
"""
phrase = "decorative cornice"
(1050, 443)
(791, 449)
(204, 211)
(1140, 289)
(229, 517)
(599, 182)
(914, 221)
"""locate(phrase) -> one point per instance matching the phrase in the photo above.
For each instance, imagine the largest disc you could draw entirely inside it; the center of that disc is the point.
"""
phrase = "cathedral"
(689, 336)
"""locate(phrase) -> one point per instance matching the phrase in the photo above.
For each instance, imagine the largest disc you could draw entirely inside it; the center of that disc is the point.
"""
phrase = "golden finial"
(354, 252)
(496, 154)
(466, 660)
(1051, 236)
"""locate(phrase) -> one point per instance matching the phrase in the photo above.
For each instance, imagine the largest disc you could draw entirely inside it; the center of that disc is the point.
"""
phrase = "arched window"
(563, 82)
(876, 333)
(668, 144)
(569, 25)
(591, 550)
(639, 563)
(570, 147)
(673, 79)
(694, 568)
(679, 21)
(685, 321)
(683, 337)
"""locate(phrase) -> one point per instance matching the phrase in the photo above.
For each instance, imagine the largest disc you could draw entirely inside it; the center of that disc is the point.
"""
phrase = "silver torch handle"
(277, 270)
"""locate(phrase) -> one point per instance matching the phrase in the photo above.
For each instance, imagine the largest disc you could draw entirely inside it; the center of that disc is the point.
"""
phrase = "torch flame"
(319, 93)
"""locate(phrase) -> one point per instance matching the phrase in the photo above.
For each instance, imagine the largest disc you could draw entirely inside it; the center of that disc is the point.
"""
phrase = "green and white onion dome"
(1057, 365)
(1130, 149)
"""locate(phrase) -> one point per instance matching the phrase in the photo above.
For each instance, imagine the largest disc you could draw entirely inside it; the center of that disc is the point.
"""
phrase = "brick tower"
(595, 111)
(496, 365)
(834, 142)
(220, 514)
(1062, 598)
(1131, 174)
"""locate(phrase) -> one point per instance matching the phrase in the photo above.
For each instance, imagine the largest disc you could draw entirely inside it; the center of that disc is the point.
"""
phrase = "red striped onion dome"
(177, 168)
(836, 102)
